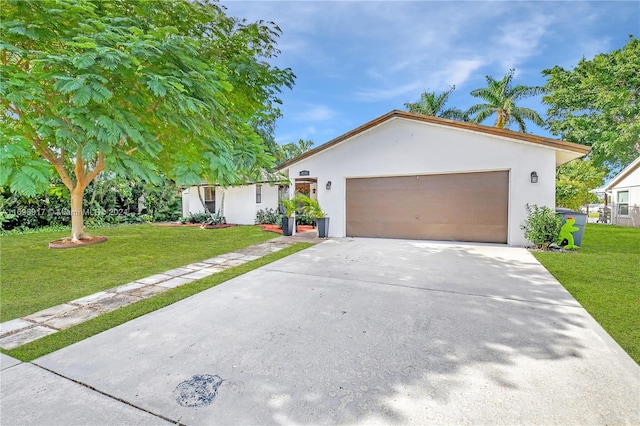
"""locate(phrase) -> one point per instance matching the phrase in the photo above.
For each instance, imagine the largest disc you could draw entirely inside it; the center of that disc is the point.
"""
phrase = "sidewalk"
(20, 331)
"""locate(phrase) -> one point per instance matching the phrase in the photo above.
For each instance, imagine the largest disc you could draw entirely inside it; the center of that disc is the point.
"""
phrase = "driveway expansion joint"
(115, 398)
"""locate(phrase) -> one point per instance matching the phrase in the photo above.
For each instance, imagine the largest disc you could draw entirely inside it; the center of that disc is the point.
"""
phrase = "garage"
(412, 176)
(448, 207)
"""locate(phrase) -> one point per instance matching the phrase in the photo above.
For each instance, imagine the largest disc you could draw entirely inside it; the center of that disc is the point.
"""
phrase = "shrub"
(304, 219)
(197, 218)
(20, 230)
(203, 218)
(135, 218)
(542, 226)
(213, 219)
(268, 217)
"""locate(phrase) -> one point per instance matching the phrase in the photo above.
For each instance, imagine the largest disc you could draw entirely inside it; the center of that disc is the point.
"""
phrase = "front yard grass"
(35, 277)
(604, 276)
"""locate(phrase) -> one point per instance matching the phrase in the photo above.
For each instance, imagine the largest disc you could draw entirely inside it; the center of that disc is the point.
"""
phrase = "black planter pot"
(287, 225)
(323, 227)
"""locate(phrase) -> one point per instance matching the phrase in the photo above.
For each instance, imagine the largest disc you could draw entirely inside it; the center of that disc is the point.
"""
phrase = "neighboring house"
(624, 190)
(412, 176)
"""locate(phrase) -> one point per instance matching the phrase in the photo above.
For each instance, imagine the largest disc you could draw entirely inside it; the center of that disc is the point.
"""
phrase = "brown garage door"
(449, 207)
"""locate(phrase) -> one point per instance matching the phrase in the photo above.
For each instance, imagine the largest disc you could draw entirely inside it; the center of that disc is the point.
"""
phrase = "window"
(258, 194)
(623, 203)
(209, 193)
(209, 198)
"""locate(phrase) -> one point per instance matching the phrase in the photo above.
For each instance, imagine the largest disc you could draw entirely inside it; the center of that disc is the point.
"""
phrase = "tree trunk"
(502, 119)
(83, 178)
(77, 215)
(201, 198)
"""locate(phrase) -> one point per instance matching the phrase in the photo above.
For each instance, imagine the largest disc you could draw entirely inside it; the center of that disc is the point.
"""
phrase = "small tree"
(574, 181)
(542, 226)
(138, 88)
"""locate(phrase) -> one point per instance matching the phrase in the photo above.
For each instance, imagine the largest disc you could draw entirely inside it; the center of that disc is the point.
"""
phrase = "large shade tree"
(434, 104)
(137, 88)
(501, 98)
(597, 103)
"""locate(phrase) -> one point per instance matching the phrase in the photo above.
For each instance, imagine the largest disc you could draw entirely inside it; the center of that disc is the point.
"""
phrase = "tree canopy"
(137, 88)
(433, 104)
(501, 98)
(574, 181)
(291, 150)
(597, 103)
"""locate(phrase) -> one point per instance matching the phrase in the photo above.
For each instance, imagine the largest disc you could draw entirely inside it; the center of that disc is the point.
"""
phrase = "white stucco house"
(406, 175)
(238, 204)
(624, 190)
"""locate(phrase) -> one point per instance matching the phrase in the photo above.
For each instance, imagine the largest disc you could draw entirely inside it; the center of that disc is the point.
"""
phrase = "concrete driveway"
(351, 331)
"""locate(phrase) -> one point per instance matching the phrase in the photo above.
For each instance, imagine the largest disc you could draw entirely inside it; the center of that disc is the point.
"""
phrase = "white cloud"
(448, 73)
(389, 92)
(316, 113)
(457, 72)
(519, 40)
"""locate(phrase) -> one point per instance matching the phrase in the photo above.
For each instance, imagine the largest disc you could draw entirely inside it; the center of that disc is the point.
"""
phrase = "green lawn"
(604, 276)
(35, 277)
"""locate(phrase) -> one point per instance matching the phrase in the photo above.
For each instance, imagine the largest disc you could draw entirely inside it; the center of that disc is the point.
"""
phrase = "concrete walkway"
(350, 332)
(20, 331)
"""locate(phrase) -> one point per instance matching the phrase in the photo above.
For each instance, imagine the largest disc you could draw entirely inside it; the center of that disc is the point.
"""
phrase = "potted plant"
(313, 209)
(288, 222)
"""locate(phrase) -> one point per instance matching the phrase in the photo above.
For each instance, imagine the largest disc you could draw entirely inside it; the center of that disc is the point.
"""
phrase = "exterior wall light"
(534, 177)
(328, 185)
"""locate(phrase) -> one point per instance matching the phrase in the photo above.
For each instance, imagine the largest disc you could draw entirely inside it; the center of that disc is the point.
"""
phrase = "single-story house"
(624, 190)
(406, 175)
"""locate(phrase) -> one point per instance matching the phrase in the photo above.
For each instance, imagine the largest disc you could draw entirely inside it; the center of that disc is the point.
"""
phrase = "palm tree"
(501, 97)
(433, 104)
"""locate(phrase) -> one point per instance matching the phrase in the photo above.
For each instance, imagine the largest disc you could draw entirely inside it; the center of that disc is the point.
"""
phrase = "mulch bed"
(67, 243)
(278, 229)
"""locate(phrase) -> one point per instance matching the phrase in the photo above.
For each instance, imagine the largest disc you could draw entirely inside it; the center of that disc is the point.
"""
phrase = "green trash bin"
(581, 221)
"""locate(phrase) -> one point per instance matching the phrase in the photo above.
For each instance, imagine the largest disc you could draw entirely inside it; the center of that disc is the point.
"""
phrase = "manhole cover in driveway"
(198, 391)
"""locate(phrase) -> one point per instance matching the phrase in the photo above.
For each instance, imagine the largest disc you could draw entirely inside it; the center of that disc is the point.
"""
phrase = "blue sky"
(357, 60)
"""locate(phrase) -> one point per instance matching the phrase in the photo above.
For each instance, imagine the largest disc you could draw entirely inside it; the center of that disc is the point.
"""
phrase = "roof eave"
(623, 174)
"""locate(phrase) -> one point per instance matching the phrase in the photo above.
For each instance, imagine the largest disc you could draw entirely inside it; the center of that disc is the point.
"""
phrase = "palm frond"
(521, 124)
(529, 114)
(501, 97)
(431, 103)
